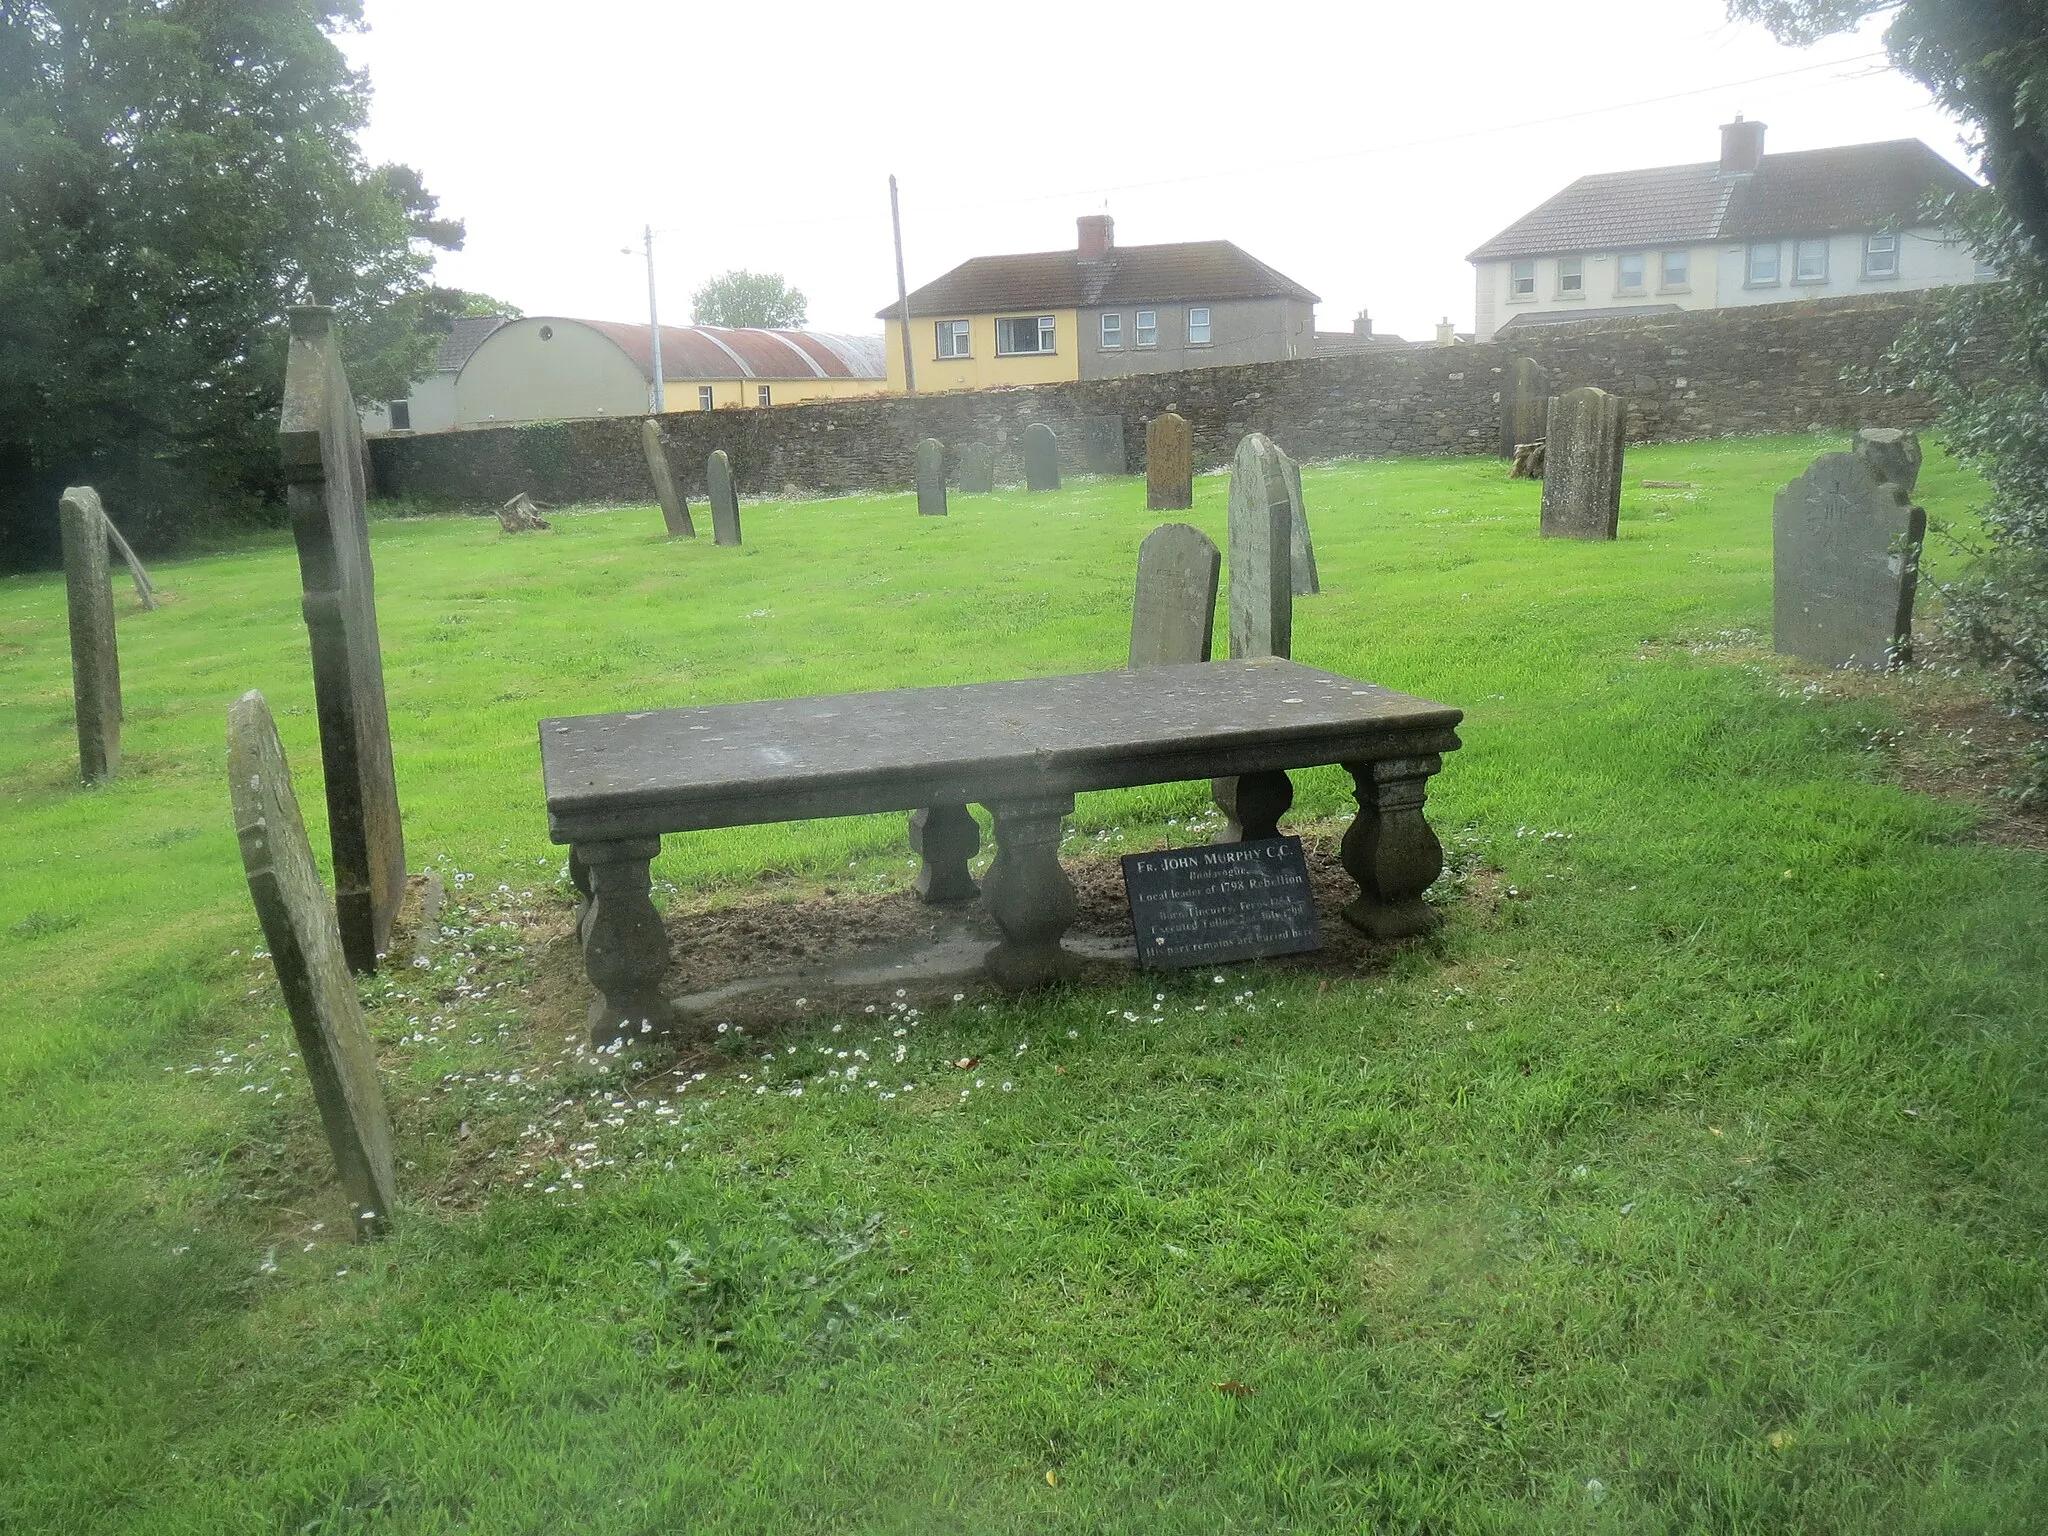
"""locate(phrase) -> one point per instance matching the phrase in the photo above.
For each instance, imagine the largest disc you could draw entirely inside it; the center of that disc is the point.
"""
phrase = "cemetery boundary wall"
(1712, 373)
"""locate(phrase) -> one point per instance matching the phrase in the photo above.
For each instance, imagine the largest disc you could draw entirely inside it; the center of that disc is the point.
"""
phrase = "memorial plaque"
(1228, 901)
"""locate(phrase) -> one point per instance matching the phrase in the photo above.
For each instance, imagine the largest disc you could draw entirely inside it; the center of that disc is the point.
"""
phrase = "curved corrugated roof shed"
(690, 352)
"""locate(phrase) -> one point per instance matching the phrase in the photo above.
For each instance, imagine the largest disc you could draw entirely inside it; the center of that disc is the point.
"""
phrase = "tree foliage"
(749, 298)
(1982, 353)
(174, 174)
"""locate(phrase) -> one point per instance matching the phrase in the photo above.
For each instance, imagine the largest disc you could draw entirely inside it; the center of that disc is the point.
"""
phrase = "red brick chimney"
(1742, 147)
(1098, 235)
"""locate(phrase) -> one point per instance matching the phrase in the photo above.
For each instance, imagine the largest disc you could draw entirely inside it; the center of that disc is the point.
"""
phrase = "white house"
(1750, 228)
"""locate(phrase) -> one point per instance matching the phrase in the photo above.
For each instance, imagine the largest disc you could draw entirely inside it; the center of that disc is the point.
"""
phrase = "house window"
(1148, 327)
(1677, 268)
(1880, 255)
(401, 415)
(953, 338)
(1112, 331)
(1198, 327)
(703, 397)
(1026, 336)
(1629, 272)
(1763, 265)
(761, 395)
(1810, 262)
(1522, 280)
(1571, 277)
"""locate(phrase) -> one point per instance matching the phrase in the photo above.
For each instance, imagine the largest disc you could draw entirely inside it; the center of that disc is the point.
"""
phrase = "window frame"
(959, 332)
(1642, 283)
(1799, 250)
(1664, 282)
(1891, 249)
(1573, 268)
(763, 395)
(1047, 328)
(1109, 332)
(706, 399)
(400, 414)
(1206, 325)
(1146, 330)
(1749, 255)
(1517, 294)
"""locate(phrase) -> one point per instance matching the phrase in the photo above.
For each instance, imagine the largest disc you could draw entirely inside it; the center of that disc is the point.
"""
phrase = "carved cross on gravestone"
(1169, 463)
(1041, 458)
(1173, 611)
(1845, 548)
(725, 501)
(977, 469)
(1582, 465)
(931, 478)
(95, 660)
(305, 950)
(675, 509)
(321, 438)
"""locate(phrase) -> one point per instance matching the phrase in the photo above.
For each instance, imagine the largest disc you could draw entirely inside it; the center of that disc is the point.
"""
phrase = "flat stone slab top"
(732, 765)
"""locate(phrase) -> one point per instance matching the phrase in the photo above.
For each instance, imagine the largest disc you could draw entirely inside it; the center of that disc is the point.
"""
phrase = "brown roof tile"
(1130, 274)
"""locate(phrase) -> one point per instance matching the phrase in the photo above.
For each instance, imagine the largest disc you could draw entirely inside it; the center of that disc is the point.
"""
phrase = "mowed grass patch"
(1689, 1181)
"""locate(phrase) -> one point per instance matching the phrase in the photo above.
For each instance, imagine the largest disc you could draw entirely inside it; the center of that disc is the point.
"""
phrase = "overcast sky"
(1362, 148)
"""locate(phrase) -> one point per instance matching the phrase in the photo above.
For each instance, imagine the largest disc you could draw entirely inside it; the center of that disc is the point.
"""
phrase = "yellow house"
(1097, 311)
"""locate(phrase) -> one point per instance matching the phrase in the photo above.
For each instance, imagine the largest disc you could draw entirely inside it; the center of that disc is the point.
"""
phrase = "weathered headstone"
(1845, 549)
(305, 950)
(1261, 561)
(321, 438)
(1173, 612)
(1301, 548)
(145, 589)
(1169, 464)
(1524, 403)
(1582, 465)
(977, 469)
(1041, 458)
(931, 478)
(95, 662)
(1894, 452)
(675, 509)
(725, 501)
(1102, 444)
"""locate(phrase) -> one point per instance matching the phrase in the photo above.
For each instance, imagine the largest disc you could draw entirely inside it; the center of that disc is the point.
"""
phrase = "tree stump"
(520, 515)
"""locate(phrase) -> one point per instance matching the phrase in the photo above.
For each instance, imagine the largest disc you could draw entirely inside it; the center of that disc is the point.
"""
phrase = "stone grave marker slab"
(1524, 405)
(931, 478)
(1582, 465)
(95, 661)
(675, 510)
(1230, 901)
(1301, 548)
(1041, 458)
(1261, 552)
(321, 439)
(725, 501)
(1894, 452)
(977, 469)
(1173, 613)
(305, 949)
(1102, 443)
(1845, 549)
(1169, 463)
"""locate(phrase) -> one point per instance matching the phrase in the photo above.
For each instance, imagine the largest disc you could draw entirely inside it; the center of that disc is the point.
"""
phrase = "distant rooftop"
(726, 352)
(467, 334)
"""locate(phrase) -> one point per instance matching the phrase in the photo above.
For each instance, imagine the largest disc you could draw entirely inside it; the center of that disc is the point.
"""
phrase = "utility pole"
(902, 293)
(659, 396)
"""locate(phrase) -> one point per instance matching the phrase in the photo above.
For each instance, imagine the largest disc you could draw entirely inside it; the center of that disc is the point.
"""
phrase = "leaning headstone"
(977, 469)
(1102, 444)
(322, 442)
(1169, 464)
(1261, 561)
(725, 501)
(1041, 458)
(675, 510)
(1582, 465)
(931, 478)
(1301, 548)
(1894, 453)
(305, 950)
(95, 663)
(1173, 612)
(1524, 403)
(1845, 549)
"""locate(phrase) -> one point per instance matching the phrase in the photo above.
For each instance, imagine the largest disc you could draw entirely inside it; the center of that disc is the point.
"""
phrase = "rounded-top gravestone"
(1582, 465)
(1041, 458)
(1173, 611)
(725, 501)
(931, 478)
(977, 469)
(1169, 463)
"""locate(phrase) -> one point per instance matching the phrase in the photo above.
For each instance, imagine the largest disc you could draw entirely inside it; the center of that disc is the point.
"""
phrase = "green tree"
(174, 174)
(749, 298)
(1981, 354)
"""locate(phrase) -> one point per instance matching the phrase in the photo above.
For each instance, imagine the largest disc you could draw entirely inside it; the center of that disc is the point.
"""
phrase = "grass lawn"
(1691, 1179)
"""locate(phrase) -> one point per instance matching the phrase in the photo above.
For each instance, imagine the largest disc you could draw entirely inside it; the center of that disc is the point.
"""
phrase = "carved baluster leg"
(625, 948)
(1253, 804)
(944, 838)
(579, 876)
(1028, 894)
(1390, 850)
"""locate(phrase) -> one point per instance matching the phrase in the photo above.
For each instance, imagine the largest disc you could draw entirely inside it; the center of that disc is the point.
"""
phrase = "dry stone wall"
(1769, 368)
